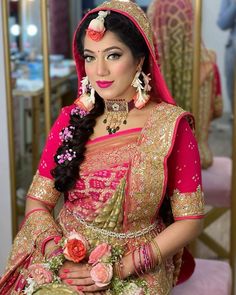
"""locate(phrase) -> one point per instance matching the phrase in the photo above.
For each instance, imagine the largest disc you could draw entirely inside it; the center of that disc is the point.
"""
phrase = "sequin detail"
(135, 12)
(187, 204)
(147, 174)
(42, 189)
(34, 226)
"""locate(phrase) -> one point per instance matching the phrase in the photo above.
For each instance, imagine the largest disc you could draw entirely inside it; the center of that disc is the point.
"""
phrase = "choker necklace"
(116, 114)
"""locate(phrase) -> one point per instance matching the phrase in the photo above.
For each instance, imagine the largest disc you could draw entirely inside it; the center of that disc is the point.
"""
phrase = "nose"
(102, 68)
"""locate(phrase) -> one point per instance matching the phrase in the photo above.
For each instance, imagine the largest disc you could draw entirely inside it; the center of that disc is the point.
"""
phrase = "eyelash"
(114, 56)
(88, 56)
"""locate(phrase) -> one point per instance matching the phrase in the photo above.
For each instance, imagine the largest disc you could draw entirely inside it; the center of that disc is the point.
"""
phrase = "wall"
(215, 38)
(5, 207)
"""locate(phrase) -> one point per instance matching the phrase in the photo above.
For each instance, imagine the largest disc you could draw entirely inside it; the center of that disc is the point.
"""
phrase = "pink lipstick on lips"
(104, 84)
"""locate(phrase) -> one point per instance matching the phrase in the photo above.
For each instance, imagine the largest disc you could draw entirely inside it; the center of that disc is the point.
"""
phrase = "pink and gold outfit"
(124, 179)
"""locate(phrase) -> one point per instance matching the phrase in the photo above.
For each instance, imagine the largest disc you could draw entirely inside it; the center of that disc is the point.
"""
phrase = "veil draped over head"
(132, 11)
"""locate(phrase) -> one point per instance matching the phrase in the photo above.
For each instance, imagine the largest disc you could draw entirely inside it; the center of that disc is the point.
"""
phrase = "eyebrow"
(105, 50)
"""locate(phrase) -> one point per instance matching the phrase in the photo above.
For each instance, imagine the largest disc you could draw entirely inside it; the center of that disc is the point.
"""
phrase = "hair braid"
(66, 175)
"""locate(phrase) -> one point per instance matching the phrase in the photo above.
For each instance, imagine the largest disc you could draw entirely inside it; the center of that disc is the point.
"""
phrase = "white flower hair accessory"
(96, 28)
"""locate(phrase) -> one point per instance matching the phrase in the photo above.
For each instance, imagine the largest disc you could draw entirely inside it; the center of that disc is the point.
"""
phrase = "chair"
(211, 277)
(217, 190)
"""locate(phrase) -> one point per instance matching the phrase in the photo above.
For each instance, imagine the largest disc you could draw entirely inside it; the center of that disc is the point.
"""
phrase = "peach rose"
(102, 274)
(75, 248)
(40, 274)
(101, 251)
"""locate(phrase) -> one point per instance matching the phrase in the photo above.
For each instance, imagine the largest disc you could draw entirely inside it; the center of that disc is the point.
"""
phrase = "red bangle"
(45, 242)
(56, 252)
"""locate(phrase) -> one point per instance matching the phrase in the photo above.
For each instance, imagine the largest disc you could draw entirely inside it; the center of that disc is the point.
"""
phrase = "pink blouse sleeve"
(184, 175)
(42, 187)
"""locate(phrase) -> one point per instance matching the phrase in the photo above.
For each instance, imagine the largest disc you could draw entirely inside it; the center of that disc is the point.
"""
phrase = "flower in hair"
(96, 28)
(67, 133)
(79, 112)
(66, 157)
(86, 102)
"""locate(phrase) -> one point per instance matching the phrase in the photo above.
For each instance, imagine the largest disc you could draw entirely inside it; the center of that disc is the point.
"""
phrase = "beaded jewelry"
(116, 114)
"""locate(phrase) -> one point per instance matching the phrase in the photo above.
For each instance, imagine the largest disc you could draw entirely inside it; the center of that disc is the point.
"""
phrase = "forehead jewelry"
(116, 114)
(96, 28)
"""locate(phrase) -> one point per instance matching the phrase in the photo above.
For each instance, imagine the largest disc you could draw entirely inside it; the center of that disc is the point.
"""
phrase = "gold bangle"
(117, 271)
(157, 252)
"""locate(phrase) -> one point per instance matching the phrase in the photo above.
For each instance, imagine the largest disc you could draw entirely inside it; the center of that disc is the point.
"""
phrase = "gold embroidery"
(36, 224)
(42, 189)
(135, 12)
(187, 204)
(110, 152)
(147, 169)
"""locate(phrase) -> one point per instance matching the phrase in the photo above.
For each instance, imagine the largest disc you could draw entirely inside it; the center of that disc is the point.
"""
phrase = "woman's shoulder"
(165, 113)
(167, 108)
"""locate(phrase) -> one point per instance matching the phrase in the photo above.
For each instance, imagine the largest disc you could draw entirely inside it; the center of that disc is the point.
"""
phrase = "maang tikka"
(142, 96)
(96, 28)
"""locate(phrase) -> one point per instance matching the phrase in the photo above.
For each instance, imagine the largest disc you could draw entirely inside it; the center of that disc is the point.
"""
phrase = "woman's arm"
(42, 195)
(170, 241)
(184, 189)
(227, 15)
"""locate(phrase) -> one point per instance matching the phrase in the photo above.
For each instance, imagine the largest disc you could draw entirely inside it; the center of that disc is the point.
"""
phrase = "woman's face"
(110, 67)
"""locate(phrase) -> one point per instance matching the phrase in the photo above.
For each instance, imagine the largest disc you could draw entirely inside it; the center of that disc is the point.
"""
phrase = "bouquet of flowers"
(102, 258)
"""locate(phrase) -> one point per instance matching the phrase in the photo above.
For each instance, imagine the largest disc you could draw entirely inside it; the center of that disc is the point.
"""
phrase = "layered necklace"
(116, 112)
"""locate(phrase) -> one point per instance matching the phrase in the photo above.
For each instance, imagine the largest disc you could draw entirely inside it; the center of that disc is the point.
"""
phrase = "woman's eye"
(114, 56)
(88, 58)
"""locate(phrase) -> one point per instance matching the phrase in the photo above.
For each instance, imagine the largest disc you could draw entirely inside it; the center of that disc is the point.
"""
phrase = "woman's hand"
(77, 276)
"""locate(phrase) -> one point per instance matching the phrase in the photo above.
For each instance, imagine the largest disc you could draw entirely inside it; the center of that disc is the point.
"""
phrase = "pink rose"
(75, 248)
(102, 274)
(101, 251)
(40, 274)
